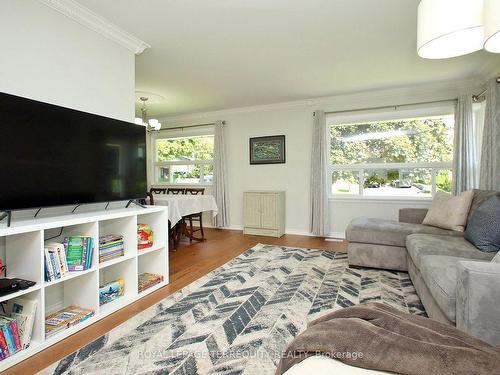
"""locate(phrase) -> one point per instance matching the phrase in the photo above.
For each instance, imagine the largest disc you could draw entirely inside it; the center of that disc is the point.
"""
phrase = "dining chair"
(196, 217)
(176, 191)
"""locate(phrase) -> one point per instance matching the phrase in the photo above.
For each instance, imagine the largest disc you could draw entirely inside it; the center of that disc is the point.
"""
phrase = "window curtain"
(490, 153)
(220, 176)
(465, 154)
(319, 175)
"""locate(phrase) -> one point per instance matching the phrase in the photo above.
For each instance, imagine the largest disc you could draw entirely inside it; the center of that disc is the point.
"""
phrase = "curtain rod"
(477, 98)
(389, 106)
(192, 126)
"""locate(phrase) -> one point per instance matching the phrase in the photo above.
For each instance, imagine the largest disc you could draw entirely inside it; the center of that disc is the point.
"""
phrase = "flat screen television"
(52, 156)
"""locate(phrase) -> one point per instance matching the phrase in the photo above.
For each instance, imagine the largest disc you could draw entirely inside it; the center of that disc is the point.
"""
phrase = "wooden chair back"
(154, 190)
(195, 191)
(176, 191)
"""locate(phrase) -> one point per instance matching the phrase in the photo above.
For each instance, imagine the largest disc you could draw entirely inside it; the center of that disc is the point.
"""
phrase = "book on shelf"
(144, 236)
(75, 254)
(24, 311)
(66, 318)
(10, 340)
(79, 251)
(147, 280)
(110, 247)
(111, 291)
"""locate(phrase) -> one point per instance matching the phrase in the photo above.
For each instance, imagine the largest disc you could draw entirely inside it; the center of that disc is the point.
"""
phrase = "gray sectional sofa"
(457, 283)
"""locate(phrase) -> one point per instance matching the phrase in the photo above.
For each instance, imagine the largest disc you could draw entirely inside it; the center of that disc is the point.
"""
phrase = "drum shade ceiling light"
(450, 28)
(492, 25)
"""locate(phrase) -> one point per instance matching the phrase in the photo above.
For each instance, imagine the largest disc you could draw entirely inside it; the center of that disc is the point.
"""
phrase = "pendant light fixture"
(492, 25)
(150, 124)
(449, 28)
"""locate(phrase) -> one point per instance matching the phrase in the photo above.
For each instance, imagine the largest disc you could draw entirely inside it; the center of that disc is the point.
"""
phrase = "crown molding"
(94, 22)
(430, 91)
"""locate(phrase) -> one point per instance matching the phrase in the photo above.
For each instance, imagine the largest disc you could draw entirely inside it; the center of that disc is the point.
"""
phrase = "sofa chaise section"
(378, 243)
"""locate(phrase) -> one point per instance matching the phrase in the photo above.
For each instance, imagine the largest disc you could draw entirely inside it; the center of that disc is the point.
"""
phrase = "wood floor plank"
(187, 264)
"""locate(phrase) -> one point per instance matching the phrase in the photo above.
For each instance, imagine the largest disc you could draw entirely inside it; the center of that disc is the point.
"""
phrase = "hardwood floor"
(188, 263)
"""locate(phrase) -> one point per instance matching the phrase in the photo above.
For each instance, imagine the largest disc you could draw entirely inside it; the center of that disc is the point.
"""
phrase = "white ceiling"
(217, 54)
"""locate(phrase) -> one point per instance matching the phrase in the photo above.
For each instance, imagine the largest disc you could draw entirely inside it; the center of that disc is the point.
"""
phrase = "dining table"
(183, 205)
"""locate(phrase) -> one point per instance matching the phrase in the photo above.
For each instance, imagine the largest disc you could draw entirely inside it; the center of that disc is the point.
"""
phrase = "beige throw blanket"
(379, 337)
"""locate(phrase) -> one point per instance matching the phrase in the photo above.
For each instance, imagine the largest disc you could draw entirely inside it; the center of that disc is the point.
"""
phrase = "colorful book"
(24, 311)
(65, 318)
(74, 253)
(111, 291)
(48, 265)
(3, 344)
(9, 337)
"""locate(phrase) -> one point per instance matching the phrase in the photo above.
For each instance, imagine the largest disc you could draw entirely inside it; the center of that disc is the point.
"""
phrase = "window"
(404, 157)
(184, 160)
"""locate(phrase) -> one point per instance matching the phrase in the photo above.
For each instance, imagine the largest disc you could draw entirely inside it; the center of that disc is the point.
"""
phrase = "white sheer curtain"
(465, 154)
(220, 176)
(319, 175)
(490, 153)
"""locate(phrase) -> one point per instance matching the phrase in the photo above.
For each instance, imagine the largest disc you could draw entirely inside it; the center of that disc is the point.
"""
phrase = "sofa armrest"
(478, 300)
(412, 215)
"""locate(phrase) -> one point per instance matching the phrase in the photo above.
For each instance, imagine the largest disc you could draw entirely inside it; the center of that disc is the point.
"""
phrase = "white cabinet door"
(269, 208)
(252, 210)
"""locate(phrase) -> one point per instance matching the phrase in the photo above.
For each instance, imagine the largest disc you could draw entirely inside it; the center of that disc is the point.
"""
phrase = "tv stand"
(134, 201)
(23, 252)
(8, 215)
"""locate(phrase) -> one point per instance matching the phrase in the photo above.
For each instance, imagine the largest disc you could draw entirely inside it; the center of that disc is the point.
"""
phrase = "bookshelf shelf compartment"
(114, 261)
(69, 276)
(150, 249)
(22, 250)
(20, 293)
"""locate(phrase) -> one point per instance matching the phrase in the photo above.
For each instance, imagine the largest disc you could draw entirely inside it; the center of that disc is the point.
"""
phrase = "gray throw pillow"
(483, 228)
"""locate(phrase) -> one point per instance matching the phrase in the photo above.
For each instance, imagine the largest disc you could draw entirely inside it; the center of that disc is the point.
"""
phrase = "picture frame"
(267, 150)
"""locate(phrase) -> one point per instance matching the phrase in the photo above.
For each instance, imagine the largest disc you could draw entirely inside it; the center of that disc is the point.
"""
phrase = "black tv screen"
(51, 156)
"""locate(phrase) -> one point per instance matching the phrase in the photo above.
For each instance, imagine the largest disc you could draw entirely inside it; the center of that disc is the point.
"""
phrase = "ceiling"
(218, 54)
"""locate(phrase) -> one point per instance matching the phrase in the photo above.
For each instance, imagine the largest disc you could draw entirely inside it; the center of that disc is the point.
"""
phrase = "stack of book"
(16, 328)
(147, 280)
(75, 254)
(79, 251)
(56, 265)
(66, 318)
(110, 247)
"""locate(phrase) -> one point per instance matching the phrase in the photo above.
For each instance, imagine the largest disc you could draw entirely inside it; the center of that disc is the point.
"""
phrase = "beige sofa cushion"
(420, 245)
(449, 212)
(440, 275)
(388, 232)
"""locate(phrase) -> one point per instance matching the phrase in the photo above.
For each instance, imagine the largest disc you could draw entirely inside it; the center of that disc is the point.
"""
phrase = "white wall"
(49, 57)
(295, 121)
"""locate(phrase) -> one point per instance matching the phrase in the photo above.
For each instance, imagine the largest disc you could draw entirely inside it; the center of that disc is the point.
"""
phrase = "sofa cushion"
(483, 227)
(388, 232)
(496, 258)
(420, 245)
(448, 211)
(440, 275)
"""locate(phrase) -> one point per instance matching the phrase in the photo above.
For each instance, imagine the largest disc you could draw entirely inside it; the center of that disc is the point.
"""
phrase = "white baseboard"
(297, 232)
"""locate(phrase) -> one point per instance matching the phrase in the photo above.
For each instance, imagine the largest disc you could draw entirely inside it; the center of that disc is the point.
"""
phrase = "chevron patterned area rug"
(239, 318)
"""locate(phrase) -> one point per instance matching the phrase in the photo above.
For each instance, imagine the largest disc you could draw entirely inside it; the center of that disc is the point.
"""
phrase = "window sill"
(181, 185)
(365, 199)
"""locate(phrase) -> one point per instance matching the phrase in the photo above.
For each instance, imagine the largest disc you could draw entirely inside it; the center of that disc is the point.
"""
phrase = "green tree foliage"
(401, 141)
(179, 149)
(188, 150)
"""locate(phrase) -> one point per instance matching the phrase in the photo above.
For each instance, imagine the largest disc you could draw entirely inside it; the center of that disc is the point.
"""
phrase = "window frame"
(179, 133)
(414, 111)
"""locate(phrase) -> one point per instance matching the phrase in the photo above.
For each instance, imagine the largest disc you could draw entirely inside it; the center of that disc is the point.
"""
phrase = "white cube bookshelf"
(24, 257)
